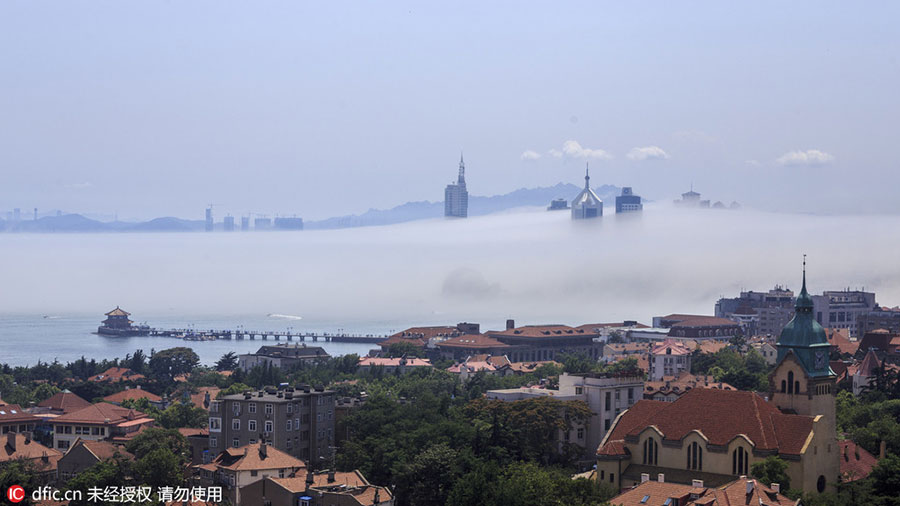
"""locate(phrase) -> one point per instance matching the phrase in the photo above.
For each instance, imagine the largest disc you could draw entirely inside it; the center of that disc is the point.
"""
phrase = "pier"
(192, 334)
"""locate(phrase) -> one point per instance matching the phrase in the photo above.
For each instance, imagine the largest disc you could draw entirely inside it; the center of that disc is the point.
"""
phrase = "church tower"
(803, 382)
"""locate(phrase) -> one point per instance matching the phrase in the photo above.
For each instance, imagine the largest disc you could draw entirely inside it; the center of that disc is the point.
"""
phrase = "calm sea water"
(27, 338)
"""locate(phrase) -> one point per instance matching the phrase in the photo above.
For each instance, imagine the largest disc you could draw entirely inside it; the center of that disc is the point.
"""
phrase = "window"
(213, 442)
(281, 473)
(612, 477)
(606, 424)
(251, 408)
(695, 457)
(820, 484)
(579, 390)
(236, 424)
(790, 382)
(617, 395)
(608, 401)
(297, 423)
(62, 444)
(330, 415)
(289, 424)
(651, 448)
(318, 417)
(236, 409)
(251, 425)
(739, 461)
(235, 442)
(269, 409)
(290, 408)
(254, 473)
(630, 395)
(580, 433)
(215, 424)
(268, 426)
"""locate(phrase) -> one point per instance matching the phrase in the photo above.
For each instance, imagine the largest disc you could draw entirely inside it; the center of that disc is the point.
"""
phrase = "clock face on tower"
(820, 359)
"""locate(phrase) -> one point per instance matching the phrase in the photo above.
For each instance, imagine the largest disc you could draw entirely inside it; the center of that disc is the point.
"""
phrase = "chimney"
(510, 324)
(697, 483)
(776, 487)
(661, 478)
(749, 487)
(882, 449)
(11, 440)
(262, 449)
(645, 477)
(331, 476)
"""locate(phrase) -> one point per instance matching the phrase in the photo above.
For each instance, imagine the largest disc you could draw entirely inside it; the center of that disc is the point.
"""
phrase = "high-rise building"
(209, 219)
(228, 223)
(587, 204)
(245, 223)
(456, 197)
(628, 201)
(841, 308)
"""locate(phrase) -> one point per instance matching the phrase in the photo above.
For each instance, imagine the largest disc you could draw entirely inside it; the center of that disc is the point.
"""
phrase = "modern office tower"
(456, 197)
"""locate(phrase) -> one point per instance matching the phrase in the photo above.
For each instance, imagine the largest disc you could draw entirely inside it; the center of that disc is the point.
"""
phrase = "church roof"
(805, 337)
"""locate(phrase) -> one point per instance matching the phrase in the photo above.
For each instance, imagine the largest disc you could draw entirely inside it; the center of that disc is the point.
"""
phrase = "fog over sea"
(528, 264)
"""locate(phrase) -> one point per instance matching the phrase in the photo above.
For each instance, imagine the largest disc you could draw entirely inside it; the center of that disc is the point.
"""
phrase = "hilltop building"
(628, 201)
(760, 313)
(456, 196)
(716, 435)
(879, 317)
(841, 308)
(587, 204)
(558, 205)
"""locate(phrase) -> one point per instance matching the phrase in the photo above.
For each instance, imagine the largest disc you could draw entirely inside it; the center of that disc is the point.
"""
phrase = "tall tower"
(209, 219)
(803, 383)
(587, 204)
(456, 196)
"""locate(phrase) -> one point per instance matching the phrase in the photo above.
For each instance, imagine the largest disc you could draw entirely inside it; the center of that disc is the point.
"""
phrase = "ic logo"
(15, 494)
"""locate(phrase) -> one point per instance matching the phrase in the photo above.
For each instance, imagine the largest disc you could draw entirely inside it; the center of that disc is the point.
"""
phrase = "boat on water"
(118, 324)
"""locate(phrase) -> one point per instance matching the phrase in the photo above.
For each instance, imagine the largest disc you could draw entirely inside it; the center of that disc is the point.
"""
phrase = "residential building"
(530, 343)
(428, 337)
(299, 422)
(313, 489)
(84, 454)
(768, 352)
(884, 342)
(628, 202)
(587, 204)
(456, 196)
(668, 358)
(856, 462)
(460, 347)
(865, 372)
(14, 419)
(235, 468)
(698, 326)
(840, 342)
(20, 446)
(607, 395)
(762, 313)
(134, 394)
(841, 308)
(698, 493)
(283, 356)
(101, 421)
(198, 439)
(116, 375)
(400, 365)
(716, 435)
(879, 317)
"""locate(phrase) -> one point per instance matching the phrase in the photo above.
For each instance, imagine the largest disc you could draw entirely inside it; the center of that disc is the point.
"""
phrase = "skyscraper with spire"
(456, 197)
(587, 204)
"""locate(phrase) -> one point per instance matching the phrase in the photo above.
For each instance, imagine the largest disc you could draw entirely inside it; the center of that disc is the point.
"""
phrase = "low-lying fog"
(534, 266)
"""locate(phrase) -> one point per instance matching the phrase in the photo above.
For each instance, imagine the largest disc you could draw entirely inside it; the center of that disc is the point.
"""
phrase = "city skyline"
(267, 108)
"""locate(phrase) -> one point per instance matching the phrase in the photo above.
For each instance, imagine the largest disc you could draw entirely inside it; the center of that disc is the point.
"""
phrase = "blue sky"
(320, 109)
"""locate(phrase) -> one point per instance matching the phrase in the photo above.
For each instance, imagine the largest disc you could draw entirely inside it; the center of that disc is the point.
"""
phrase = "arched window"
(651, 448)
(740, 461)
(790, 382)
(695, 457)
(783, 386)
(820, 484)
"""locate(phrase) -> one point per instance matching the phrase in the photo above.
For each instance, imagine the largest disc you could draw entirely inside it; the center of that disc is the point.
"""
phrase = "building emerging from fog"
(587, 204)
(456, 197)
(628, 201)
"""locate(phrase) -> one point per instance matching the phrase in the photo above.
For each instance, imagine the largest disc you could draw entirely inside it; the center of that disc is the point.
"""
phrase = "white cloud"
(555, 153)
(572, 149)
(752, 163)
(647, 153)
(808, 158)
(530, 155)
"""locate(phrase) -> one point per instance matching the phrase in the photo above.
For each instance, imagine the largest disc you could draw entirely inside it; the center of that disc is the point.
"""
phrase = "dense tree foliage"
(747, 371)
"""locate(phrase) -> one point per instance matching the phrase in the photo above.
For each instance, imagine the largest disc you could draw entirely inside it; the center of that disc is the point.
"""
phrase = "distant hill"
(478, 205)
(167, 224)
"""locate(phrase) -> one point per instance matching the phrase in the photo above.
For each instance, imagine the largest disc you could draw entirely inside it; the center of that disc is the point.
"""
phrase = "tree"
(183, 415)
(772, 470)
(107, 473)
(430, 476)
(886, 478)
(137, 362)
(404, 350)
(19, 472)
(151, 439)
(166, 364)
(160, 468)
(228, 362)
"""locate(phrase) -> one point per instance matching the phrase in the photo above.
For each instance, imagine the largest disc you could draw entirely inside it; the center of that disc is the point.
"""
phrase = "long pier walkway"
(193, 334)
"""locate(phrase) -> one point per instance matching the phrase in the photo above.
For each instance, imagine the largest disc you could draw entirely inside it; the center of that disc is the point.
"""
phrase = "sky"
(319, 109)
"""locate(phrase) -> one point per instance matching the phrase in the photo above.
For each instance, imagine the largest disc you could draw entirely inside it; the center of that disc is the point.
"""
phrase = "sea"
(26, 339)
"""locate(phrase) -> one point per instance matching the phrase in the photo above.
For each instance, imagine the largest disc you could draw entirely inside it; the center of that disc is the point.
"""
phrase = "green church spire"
(805, 337)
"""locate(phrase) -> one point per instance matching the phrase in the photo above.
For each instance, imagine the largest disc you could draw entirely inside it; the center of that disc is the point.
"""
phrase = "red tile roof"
(840, 339)
(114, 374)
(250, 458)
(654, 493)
(393, 362)
(473, 341)
(28, 449)
(683, 383)
(12, 413)
(419, 336)
(721, 415)
(669, 347)
(856, 462)
(543, 331)
(103, 450)
(100, 414)
(133, 394)
(64, 401)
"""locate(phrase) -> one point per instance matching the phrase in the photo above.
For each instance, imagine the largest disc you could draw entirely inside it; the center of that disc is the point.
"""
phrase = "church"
(717, 435)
